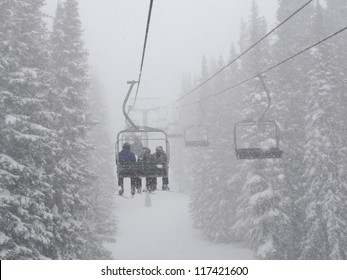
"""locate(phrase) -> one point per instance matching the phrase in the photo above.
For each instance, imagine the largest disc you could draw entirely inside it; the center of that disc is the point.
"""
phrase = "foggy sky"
(181, 32)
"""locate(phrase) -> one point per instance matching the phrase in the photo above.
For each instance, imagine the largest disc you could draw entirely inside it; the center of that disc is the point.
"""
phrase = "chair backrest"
(256, 143)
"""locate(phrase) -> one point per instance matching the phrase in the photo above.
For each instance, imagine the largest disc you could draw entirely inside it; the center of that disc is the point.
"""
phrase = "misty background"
(181, 33)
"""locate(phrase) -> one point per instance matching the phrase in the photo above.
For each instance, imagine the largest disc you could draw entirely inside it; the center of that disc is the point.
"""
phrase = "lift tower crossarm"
(145, 113)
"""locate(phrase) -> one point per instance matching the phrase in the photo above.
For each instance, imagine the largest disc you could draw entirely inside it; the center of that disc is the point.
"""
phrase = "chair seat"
(142, 169)
(197, 143)
(258, 153)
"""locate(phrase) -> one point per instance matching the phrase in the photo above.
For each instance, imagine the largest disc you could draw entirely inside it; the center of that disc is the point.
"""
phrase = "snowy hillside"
(164, 231)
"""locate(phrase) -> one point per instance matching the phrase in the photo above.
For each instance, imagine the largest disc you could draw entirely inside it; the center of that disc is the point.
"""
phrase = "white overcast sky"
(181, 32)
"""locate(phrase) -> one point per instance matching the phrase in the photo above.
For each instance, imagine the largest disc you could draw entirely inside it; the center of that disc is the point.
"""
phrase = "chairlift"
(263, 136)
(151, 137)
(154, 137)
(197, 135)
(172, 133)
(259, 148)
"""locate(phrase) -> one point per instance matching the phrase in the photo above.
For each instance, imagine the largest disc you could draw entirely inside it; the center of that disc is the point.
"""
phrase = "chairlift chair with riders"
(263, 147)
(197, 135)
(151, 137)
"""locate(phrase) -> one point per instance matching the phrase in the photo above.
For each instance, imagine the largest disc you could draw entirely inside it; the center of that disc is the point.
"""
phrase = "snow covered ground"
(164, 231)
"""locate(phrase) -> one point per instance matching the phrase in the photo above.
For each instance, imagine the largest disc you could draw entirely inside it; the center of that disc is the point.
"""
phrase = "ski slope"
(164, 231)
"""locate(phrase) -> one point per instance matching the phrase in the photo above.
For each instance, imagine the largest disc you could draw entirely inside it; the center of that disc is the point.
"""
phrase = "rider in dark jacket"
(160, 157)
(126, 156)
(146, 157)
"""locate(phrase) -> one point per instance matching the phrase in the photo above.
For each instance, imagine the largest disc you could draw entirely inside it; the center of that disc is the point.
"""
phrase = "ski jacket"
(136, 147)
(159, 157)
(145, 157)
(126, 156)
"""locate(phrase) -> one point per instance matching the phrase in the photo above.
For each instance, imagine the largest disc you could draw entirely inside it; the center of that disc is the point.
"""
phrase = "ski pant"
(165, 180)
(137, 183)
(134, 182)
(151, 182)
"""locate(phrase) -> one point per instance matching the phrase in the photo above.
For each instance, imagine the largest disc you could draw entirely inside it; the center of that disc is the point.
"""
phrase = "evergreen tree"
(5, 62)
(183, 161)
(260, 213)
(48, 202)
(180, 162)
(336, 11)
(290, 87)
(325, 186)
(102, 164)
(214, 201)
(200, 158)
(75, 235)
(27, 141)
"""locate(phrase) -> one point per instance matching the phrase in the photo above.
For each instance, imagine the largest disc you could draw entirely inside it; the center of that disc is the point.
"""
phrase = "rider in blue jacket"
(127, 156)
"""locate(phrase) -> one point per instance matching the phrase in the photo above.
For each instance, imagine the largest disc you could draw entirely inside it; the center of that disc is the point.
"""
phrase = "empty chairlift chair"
(257, 139)
(196, 136)
(262, 140)
(175, 130)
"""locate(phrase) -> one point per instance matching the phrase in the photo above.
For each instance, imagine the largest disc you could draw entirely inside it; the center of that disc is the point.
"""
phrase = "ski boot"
(132, 191)
(151, 188)
(121, 190)
(165, 186)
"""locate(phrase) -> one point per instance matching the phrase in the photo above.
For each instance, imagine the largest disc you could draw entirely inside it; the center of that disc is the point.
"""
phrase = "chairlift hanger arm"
(178, 117)
(268, 97)
(132, 84)
(202, 113)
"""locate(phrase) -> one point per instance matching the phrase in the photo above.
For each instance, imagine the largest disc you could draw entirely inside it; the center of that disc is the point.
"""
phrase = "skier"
(136, 147)
(125, 157)
(146, 157)
(160, 157)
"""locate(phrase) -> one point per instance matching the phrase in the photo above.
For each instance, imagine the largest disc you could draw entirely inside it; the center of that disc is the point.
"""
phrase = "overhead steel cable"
(243, 53)
(267, 69)
(144, 49)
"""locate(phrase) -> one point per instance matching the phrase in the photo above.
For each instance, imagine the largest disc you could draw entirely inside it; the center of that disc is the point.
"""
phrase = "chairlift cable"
(267, 69)
(244, 52)
(144, 49)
